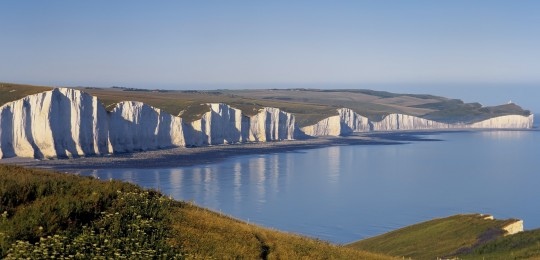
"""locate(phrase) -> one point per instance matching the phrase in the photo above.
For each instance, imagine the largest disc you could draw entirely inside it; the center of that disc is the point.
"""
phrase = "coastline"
(192, 156)
(185, 157)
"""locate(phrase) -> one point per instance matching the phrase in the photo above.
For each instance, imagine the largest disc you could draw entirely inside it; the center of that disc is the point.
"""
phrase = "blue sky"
(435, 47)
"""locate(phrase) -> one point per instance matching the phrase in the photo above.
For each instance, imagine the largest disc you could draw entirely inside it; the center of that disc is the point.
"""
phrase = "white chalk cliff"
(328, 126)
(68, 123)
(271, 124)
(347, 121)
(394, 122)
(340, 125)
(136, 126)
(510, 121)
(60, 122)
(224, 125)
(513, 228)
(221, 125)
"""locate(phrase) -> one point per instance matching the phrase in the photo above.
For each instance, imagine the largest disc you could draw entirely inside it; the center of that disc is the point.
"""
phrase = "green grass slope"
(52, 215)
(442, 237)
(11, 92)
(524, 245)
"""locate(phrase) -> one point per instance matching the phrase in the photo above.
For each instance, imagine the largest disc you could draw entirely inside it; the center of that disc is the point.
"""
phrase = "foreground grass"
(46, 214)
(202, 231)
(436, 238)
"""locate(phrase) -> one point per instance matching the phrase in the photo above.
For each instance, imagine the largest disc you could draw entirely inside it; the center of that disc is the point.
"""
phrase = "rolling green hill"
(444, 237)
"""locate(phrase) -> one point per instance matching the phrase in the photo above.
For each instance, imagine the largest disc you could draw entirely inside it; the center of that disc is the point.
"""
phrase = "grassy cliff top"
(11, 92)
(438, 238)
(308, 105)
(43, 213)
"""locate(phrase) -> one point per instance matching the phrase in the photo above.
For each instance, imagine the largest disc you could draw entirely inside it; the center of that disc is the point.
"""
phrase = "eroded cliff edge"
(66, 122)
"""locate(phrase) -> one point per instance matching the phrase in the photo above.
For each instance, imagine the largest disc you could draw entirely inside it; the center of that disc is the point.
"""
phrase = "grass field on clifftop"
(308, 105)
(11, 92)
(47, 214)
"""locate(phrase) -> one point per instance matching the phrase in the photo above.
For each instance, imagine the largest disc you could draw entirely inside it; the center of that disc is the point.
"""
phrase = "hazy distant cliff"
(347, 121)
(396, 122)
(67, 122)
(511, 121)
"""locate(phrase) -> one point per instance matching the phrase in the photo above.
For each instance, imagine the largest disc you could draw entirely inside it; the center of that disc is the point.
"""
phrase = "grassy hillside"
(11, 92)
(189, 104)
(474, 112)
(436, 238)
(308, 105)
(46, 214)
(373, 104)
(524, 245)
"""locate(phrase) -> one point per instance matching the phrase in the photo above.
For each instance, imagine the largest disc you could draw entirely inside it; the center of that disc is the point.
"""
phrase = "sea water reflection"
(344, 193)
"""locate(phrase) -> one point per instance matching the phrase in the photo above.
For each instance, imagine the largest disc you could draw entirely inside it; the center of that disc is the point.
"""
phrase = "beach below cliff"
(183, 156)
(191, 156)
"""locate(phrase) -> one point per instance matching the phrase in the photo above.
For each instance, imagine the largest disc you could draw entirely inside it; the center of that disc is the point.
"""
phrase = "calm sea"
(345, 193)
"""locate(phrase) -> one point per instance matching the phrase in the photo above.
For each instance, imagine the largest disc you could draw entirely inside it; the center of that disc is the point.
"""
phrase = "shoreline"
(192, 156)
(186, 157)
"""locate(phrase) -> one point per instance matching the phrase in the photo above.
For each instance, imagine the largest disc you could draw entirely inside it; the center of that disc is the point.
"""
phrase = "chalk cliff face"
(221, 125)
(511, 121)
(271, 124)
(394, 122)
(136, 126)
(346, 122)
(68, 123)
(328, 126)
(61, 122)
(353, 122)
(405, 122)
(514, 228)
(350, 122)
(224, 125)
